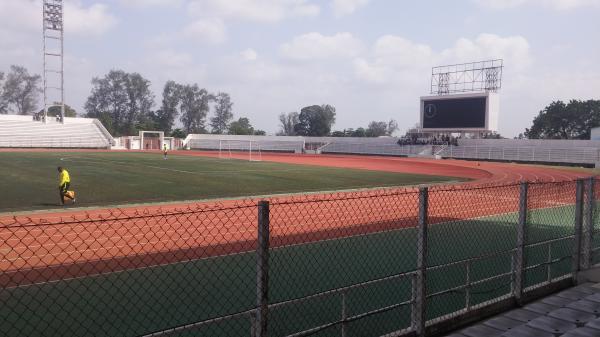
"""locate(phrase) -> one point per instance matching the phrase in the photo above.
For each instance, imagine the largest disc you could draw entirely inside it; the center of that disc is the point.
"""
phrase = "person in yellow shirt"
(64, 184)
(165, 151)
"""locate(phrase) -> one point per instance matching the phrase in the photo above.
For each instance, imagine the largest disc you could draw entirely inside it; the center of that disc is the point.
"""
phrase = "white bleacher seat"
(23, 132)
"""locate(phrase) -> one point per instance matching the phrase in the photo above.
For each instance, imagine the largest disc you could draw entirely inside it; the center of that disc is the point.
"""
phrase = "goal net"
(240, 149)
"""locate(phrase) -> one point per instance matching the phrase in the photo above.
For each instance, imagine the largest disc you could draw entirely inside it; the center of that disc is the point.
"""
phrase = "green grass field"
(142, 301)
(30, 180)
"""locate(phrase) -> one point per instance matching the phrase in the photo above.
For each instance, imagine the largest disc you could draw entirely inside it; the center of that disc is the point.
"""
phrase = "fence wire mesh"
(346, 264)
(470, 249)
(595, 208)
(550, 231)
(334, 242)
(127, 273)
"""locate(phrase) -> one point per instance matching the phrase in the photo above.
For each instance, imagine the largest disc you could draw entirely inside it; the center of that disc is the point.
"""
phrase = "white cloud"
(314, 46)
(171, 59)
(93, 20)
(395, 58)
(554, 4)
(249, 54)
(569, 4)
(253, 10)
(151, 3)
(22, 15)
(211, 30)
(513, 49)
(206, 30)
(345, 7)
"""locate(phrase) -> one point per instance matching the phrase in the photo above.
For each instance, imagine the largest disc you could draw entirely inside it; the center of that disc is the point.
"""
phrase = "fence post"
(588, 229)
(520, 262)
(262, 270)
(468, 286)
(418, 316)
(578, 229)
(344, 315)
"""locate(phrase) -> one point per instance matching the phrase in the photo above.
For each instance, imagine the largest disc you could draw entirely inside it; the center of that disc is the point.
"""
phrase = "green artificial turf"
(30, 180)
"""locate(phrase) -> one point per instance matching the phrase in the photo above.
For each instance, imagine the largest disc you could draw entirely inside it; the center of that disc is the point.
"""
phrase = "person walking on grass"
(63, 186)
(165, 151)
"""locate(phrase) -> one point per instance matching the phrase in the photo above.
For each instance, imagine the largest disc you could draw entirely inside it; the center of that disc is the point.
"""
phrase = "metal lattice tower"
(493, 79)
(53, 31)
(482, 76)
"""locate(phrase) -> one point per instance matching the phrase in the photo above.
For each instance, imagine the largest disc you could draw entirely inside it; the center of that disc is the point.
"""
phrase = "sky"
(371, 59)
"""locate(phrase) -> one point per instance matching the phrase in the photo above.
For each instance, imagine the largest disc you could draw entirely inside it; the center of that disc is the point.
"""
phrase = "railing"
(104, 132)
(53, 142)
(396, 262)
(376, 149)
(244, 145)
(532, 154)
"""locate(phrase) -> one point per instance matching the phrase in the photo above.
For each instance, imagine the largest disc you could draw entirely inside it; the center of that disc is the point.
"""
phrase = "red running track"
(49, 246)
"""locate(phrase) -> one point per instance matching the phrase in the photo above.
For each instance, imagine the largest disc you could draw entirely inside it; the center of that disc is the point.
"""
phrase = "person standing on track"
(64, 184)
(165, 151)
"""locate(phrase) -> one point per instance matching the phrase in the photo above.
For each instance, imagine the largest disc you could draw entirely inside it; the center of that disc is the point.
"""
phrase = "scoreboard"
(461, 112)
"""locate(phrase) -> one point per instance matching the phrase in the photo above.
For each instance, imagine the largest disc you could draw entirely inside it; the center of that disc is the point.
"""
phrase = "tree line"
(317, 121)
(124, 103)
(560, 120)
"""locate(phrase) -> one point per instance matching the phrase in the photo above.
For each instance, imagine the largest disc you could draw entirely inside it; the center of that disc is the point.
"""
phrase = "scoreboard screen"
(454, 113)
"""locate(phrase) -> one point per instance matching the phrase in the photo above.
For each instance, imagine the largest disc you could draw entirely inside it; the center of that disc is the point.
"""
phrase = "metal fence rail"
(585, 155)
(392, 263)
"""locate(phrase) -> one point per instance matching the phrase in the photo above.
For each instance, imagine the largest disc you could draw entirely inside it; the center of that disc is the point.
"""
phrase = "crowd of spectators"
(437, 140)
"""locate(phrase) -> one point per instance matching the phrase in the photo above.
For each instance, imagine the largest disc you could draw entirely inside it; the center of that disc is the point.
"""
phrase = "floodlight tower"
(53, 31)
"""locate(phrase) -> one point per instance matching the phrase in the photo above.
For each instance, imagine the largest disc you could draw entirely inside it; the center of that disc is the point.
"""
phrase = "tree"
(241, 127)
(338, 134)
(260, 133)
(223, 113)
(360, 132)
(392, 127)
(288, 122)
(3, 104)
(178, 133)
(376, 129)
(122, 102)
(379, 129)
(565, 121)
(315, 120)
(194, 108)
(20, 90)
(171, 98)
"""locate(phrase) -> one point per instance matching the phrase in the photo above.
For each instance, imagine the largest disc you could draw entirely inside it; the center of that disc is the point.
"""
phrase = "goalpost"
(249, 149)
(152, 140)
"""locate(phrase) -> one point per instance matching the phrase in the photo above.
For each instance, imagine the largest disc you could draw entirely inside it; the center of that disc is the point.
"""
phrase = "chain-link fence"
(369, 263)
